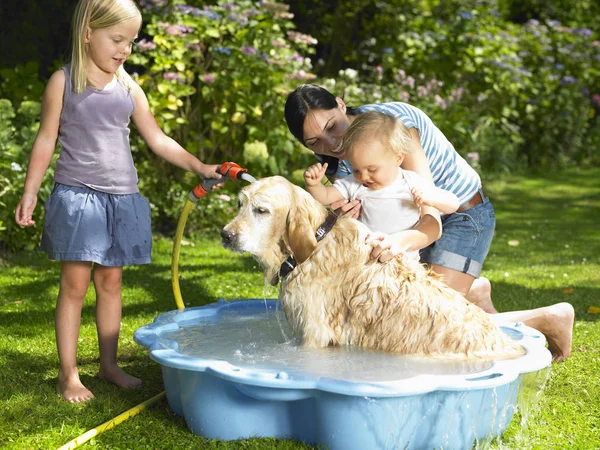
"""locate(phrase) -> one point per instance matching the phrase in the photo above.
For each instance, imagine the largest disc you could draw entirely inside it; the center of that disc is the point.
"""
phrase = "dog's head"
(275, 219)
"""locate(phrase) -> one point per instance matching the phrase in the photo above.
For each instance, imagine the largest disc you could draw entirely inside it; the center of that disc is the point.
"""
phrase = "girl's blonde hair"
(97, 14)
(388, 130)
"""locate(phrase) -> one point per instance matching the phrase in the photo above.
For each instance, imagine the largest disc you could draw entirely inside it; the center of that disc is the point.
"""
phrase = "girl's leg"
(74, 282)
(476, 290)
(107, 281)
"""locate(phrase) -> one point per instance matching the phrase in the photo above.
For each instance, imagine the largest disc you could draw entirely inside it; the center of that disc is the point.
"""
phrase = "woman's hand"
(384, 246)
(348, 208)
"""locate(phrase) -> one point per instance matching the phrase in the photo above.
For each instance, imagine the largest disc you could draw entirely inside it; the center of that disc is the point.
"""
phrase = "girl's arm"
(163, 145)
(43, 147)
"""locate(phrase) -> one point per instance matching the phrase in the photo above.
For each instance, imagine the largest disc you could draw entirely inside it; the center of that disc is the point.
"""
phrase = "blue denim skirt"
(82, 224)
(465, 241)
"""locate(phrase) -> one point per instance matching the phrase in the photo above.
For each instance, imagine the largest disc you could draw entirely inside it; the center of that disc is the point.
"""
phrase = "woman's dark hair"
(305, 98)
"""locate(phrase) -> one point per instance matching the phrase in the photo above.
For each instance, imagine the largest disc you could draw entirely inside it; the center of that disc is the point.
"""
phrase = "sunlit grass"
(546, 250)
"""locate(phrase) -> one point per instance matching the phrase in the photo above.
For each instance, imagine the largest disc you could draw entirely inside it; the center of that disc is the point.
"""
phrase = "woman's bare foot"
(554, 321)
(71, 388)
(558, 329)
(480, 294)
(118, 376)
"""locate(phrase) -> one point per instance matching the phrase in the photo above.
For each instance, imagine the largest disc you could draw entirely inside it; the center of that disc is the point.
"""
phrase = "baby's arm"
(440, 199)
(161, 144)
(325, 195)
(43, 147)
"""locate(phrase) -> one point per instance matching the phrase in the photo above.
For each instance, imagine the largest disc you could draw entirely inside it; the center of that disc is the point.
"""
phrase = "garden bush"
(513, 85)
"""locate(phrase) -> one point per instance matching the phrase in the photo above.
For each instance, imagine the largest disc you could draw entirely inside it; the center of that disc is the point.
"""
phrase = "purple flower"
(567, 80)
(173, 76)
(188, 10)
(145, 45)
(596, 100)
(211, 15)
(208, 78)
(248, 50)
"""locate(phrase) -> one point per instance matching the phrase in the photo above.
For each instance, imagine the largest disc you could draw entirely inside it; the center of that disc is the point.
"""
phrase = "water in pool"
(263, 341)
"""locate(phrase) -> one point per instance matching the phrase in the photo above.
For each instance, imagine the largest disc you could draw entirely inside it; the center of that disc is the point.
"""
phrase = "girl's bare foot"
(480, 294)
(71, 388)
(118, 376)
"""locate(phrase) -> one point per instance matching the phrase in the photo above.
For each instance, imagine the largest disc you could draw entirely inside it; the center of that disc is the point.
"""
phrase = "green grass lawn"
(546, 250)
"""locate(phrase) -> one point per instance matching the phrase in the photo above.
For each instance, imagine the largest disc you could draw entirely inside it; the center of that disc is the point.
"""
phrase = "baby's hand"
(24, 212)
(314, 174)
(423, 198)
(384, 248)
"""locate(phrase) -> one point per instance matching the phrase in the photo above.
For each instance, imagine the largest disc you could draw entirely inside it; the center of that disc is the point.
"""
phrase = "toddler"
(375, 145)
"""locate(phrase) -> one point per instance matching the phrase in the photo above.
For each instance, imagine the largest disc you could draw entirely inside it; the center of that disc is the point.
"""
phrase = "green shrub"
(216, 78)
(17, 133)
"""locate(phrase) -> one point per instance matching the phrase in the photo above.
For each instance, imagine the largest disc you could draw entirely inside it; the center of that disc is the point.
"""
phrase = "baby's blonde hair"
(388, 130)
(97, 14)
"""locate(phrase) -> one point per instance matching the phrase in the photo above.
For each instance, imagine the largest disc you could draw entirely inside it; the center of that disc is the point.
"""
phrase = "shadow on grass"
(36, 299)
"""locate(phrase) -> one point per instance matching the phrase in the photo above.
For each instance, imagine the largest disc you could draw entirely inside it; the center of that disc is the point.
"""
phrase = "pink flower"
(596, 100)
(473, 157)
(208, 78)
(225, 198)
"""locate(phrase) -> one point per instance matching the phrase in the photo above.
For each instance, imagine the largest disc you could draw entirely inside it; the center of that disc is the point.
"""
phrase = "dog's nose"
(227, 236)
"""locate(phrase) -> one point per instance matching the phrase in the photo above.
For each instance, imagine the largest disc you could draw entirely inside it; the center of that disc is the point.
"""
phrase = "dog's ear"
(300, 232)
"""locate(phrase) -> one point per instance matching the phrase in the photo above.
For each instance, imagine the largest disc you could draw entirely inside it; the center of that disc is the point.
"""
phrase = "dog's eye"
(239, 204)
(261, 210)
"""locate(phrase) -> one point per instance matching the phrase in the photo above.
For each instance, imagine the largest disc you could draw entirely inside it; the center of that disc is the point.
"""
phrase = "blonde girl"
(96, 221)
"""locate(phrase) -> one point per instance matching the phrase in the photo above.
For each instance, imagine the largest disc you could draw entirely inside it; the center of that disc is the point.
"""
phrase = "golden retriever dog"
(338, 295)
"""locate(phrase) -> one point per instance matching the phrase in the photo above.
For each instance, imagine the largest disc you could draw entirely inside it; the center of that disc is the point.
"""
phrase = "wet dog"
(337, 295)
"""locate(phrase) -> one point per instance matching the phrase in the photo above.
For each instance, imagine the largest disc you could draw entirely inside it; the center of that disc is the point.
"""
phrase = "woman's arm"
(161, 144)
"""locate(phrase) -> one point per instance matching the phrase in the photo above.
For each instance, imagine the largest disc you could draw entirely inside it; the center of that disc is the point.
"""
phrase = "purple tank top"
(94, 135)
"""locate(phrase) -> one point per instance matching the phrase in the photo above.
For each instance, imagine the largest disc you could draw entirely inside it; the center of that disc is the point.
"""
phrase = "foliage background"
(513, 85)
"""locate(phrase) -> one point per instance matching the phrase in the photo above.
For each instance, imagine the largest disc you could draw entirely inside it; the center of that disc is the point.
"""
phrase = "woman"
(455, 246)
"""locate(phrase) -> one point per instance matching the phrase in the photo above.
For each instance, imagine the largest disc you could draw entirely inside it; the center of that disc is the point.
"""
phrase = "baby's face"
(374, 165)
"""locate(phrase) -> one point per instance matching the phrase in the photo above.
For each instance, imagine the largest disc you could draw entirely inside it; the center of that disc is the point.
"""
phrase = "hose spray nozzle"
(227, 170)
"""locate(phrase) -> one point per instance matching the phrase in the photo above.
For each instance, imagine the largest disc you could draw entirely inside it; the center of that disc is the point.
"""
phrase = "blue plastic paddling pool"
(233, 371)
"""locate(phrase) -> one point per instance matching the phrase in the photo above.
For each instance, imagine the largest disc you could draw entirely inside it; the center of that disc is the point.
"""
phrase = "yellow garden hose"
(175, 255)
(111, 423)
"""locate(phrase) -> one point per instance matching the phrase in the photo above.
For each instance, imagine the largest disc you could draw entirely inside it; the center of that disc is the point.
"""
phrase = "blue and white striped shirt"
(448, 169)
